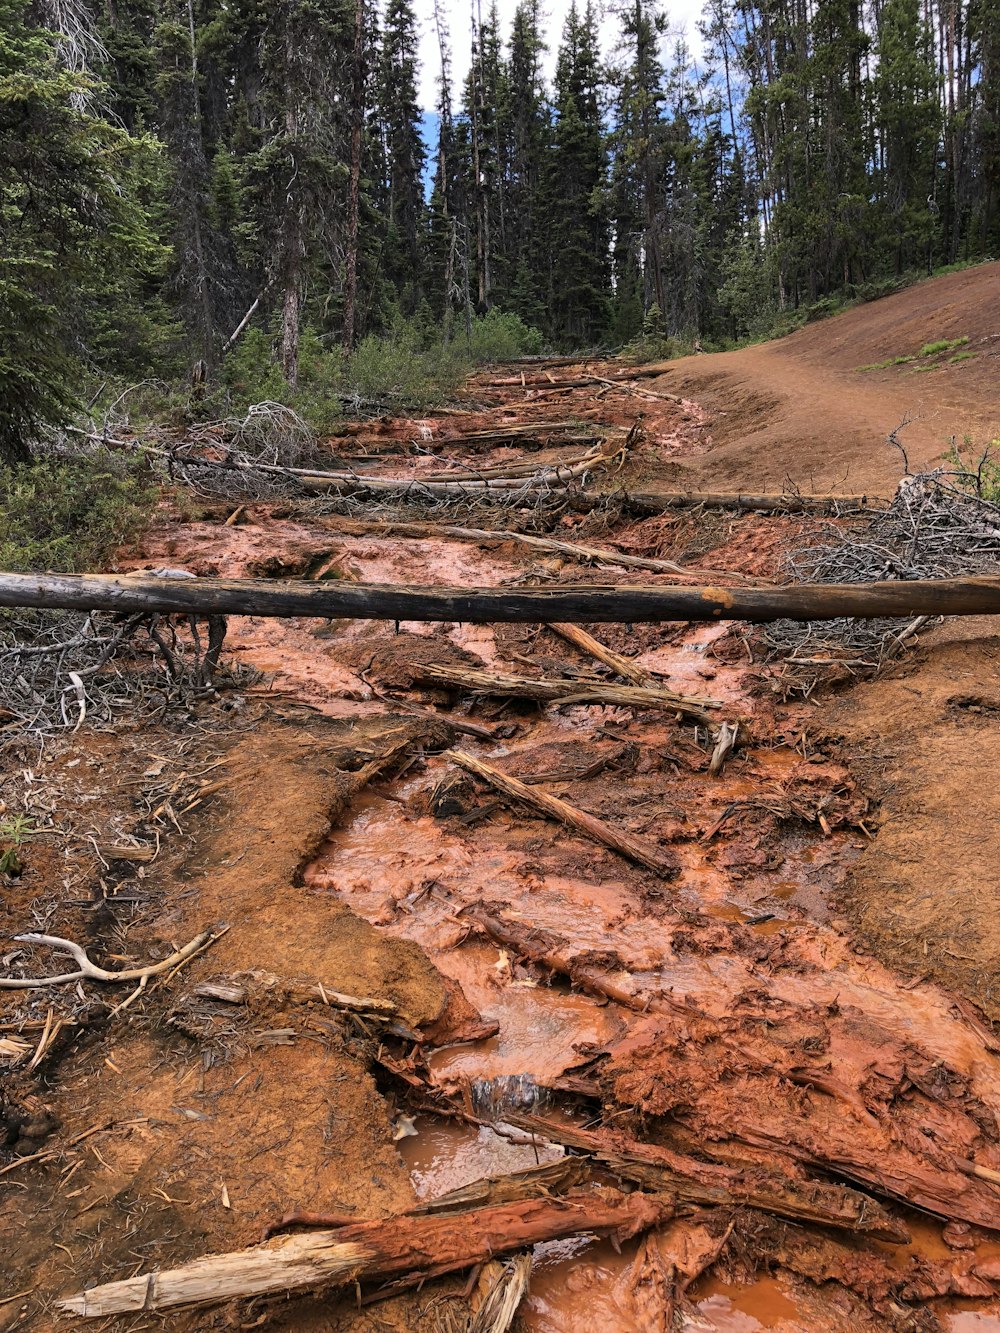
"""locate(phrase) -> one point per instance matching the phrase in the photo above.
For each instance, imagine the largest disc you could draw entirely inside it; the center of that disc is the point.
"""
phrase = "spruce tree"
(399, 115)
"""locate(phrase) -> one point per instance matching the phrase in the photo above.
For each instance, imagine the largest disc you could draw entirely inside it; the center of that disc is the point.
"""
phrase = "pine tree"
(574, 197)
(75, 239)
(404, 155)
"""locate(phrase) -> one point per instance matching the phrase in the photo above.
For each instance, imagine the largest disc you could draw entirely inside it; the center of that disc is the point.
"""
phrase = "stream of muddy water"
(752, 892)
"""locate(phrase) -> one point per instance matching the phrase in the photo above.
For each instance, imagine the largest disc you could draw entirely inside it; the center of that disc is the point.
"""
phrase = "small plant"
(981, 477)
(14, 833)
(961, 356)
(887, 365)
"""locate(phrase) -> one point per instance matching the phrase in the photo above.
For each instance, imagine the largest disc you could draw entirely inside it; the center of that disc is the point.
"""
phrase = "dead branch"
(406, 1248)
(90, 971)
(621, 666)
(626, 844)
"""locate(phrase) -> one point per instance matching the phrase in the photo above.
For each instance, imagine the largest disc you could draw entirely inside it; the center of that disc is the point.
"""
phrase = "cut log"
(693, 1181)
(408, 1247)
(586, 603)
(546, 477)
(626, 844)
(565, 690)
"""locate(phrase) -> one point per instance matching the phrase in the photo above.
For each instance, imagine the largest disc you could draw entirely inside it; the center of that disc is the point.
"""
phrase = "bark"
(408, 1248)
(582, 604)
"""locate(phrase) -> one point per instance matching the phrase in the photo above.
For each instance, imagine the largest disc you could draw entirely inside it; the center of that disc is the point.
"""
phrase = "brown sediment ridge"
(822, 1124)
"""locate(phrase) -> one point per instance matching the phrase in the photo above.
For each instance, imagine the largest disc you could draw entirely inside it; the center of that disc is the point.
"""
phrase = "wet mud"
(727, 1020)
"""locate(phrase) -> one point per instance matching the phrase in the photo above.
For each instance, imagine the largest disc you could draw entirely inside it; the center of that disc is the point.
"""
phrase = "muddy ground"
(801, 1000)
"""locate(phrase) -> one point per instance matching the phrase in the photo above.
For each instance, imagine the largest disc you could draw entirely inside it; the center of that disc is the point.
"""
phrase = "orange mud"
(763, 1008)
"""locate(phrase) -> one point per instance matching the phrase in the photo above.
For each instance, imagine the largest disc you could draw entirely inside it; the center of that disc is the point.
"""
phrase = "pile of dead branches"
(931, 530)
(59, 668)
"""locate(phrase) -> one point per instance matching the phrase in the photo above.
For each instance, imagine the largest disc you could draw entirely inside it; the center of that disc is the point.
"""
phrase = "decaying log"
(621, 666)
(626, 844)
(587, 603)
(656, 502)
(566, 690)
(575, 550)
(500, 1290)
(573, 381)
(690, 1180)
(407, 1247)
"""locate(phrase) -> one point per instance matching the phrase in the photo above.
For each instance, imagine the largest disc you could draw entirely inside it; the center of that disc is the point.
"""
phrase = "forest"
(240, 193)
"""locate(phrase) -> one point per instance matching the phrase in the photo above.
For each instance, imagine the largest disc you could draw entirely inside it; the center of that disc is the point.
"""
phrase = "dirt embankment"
(804, 410)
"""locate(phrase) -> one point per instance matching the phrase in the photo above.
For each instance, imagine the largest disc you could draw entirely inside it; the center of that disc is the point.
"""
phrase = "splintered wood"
(403, 1249)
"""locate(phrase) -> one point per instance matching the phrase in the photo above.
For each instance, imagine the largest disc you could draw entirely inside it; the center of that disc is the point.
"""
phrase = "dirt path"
(802, 409)
(802, 998)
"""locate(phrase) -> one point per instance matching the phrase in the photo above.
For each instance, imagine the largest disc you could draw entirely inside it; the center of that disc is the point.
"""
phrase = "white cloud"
(683, 16)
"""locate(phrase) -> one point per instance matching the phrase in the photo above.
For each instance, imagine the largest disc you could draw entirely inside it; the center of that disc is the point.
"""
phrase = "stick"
(91, 971)
(632, 848)
(655, 502)
(566, 691)
(408, 1248)
(621, 666)
(586, 603)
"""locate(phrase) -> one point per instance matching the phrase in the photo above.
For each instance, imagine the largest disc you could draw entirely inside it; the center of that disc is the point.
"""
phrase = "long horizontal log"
(578, 603)
(566, 690)
(575, 550)
(407, 1247)
(657, 502)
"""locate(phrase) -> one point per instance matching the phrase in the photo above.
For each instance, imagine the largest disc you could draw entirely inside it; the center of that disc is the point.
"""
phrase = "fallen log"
(656, 502)
(586, 603)
(408, 1248)
(556, 690)
(571, 381)
(544, 478)
(691, 1180)
(626, 844)
(576, 550)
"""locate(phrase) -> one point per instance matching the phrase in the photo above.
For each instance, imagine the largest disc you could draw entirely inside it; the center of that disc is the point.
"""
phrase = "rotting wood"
(581, 603)
(725, 744)
(625, 844)
(544, 477)
(662, 1170)
(413, 1248)
(499, 1292)
(566, 690)
(90, 971)
(573, 381)
(621, 666)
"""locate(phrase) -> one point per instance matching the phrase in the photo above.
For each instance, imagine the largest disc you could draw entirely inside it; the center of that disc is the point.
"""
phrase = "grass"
(15, 831)
(928, 350)
(892, 361)
(942, 345)
(961, 356)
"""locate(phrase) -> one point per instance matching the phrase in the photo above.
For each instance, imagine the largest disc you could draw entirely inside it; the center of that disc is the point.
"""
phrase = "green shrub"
(71, 515)
(981, 477)
(502, 336)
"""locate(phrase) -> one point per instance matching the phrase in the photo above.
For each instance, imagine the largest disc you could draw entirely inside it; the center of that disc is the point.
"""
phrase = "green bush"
(71, 515)
(502, 336)
(981, 476)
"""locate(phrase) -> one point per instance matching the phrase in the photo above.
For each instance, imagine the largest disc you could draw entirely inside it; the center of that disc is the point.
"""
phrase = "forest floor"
(799, 1003)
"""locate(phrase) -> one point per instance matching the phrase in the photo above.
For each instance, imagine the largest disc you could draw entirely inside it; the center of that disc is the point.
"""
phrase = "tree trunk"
(354, 189)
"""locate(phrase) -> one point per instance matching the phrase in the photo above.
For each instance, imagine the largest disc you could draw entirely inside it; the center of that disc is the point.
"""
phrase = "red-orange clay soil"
(786, 1033)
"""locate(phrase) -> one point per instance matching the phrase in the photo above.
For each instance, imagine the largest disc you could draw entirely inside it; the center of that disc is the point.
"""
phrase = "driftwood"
(546, 477)
(587, 603)
(575, 550)
(626, 844)
(407, 1248)
(573, 381)
(691, 1180)
(566, 691)
(90, 971)
(621, 666)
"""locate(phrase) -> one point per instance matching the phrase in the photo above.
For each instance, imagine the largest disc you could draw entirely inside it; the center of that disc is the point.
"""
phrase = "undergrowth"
(70, 515)
(979, 476)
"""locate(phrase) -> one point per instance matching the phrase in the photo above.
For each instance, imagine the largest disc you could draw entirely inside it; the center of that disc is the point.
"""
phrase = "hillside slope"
(801, 409)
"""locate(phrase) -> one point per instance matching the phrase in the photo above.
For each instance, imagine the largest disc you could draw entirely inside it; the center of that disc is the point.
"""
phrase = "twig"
(90, 971)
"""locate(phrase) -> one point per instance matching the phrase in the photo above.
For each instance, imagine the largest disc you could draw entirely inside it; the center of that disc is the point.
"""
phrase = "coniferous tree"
(399, 114)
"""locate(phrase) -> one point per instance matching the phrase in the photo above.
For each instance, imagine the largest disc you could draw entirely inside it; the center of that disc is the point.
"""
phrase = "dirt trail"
(805, 997)
(803, 409)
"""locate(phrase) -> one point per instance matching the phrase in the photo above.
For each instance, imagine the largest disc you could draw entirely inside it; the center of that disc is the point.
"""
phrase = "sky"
(683, 14)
